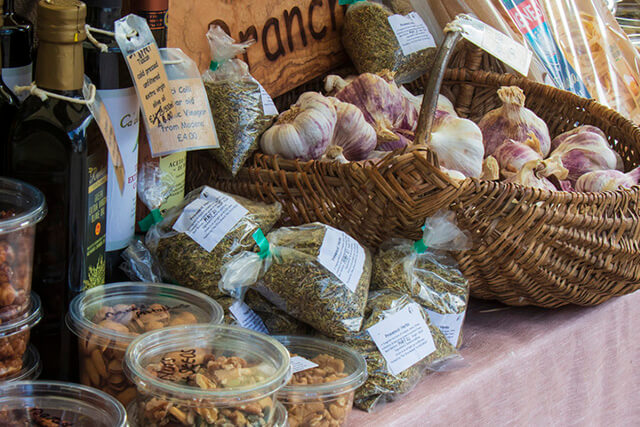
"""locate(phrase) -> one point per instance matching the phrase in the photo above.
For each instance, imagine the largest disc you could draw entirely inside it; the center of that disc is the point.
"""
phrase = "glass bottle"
(16, 37)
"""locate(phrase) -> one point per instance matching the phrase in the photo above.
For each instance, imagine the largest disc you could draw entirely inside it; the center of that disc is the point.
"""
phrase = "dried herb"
(373, 47)
(382, 385)
(240, 119)
(299, 284)
(189, 264)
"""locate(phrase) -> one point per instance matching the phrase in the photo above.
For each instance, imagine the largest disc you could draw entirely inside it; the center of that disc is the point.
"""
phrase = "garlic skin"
(334, 154)
(586, 152)
(531, 175)
(513, 121)
(334, 84)
(490, 169)
(607, 180)
(513, 155)
(443, 102)
(458, 144)
(455, 175)
(304, 131)
(352, 132)
(555, 143)
(383, 106)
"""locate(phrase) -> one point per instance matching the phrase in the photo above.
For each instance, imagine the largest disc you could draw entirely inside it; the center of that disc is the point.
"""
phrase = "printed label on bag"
(412, 33)
(403, 338)
(268, 107)
(343, 256)
(299, 364)
(209, 218)
(175, 165)
(247, 318)
(503, 47)
(449, 324)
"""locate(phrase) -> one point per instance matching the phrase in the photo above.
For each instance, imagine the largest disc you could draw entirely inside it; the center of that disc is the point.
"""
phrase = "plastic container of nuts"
(325, 378)
(35, 403)
(21, 208)
(107, 318)
(206, 375)
(14, 338)
(31, 367)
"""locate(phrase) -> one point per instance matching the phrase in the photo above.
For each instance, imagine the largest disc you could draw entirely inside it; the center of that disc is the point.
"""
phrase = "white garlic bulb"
(352, 132)
(458, 144)
(304, 131)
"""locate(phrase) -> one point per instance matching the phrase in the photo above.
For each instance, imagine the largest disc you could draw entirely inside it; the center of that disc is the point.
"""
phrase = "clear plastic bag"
(184, 255)
(154, 185)
(427, 273)
(140, 265)
(236, 99)
(381, 385)
(293, 273)
(372, 44)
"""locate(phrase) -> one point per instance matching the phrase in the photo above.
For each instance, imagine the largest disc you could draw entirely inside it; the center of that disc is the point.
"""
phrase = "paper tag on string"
(499, 45)
(149, 76)
(101, 116)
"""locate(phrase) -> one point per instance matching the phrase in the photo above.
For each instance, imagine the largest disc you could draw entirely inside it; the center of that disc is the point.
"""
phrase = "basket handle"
(432, 88)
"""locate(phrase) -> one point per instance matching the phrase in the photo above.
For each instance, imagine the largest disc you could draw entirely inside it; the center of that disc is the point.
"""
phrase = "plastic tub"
(327, 396)
(207, 374)
(107, 318)
(21, 208)
(14, 338)
(31, 367)
(60, 404)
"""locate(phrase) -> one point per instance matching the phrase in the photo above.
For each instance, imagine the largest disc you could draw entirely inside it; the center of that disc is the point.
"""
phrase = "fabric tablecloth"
(573, 366)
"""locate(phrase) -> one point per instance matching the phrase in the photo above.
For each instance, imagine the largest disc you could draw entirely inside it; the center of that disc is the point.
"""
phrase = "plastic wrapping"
(154, 185)
(373, 44)
(184, 259)
(428, 274)
(381, 385)
(627, 14)
(599, 51)
(244, 108)
(140, 264)
(302, 270)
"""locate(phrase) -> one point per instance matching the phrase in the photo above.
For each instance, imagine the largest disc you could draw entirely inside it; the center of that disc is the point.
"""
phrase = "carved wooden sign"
(296, 40)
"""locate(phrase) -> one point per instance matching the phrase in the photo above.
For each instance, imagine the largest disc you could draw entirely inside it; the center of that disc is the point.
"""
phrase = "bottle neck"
(103, 18)
(9, 7)
(60, 66)
(155, 12)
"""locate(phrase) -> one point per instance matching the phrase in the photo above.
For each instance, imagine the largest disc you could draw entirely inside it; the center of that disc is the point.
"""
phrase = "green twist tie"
(262, 243)
(214, 65)
(150, 220)
(348, 2)
(420, 247)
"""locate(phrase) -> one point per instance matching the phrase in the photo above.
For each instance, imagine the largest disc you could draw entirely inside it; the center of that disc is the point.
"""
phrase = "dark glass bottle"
(8, 109)
(155, 12)
(16, 38)
(108, 71)
(56, 146)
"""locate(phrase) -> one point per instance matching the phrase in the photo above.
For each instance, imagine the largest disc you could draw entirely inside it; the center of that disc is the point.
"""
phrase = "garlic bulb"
(579, 130)
(513, 121)
(383, 106)
(443, 102)
(352, 132)
(455, 175)
(585, 152)
(334, 84)
(458, 144)
(490, 169)
(531, 175)
(607, 180)
(513, 155)
(304, 131)
(334, 154)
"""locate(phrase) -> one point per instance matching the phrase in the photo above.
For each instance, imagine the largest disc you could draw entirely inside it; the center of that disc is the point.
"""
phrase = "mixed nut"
(319, 412)
(101, 358)
(12, 349)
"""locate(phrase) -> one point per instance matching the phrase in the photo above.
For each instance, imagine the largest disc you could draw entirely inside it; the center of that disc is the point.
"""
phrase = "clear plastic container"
(14, 338)
(36, 403)
(31, 367)
(321, 395)
(202, 374)
(107, 318)
(22, 206)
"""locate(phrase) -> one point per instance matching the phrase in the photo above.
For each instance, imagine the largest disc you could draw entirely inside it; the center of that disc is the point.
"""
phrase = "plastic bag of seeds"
(425, 271)
(381, 35)
(242, 108)
(315, 273)
(197, 237)
(388, 381)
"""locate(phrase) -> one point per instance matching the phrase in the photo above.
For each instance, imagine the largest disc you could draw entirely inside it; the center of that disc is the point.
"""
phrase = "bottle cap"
(61, 21)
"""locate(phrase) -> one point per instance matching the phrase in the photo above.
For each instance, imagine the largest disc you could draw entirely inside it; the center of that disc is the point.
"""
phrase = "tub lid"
(31, 367)
(21, 205)
(28, 320)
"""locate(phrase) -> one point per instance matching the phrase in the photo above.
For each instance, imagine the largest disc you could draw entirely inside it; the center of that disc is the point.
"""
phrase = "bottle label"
(342, 255)
(18, 76)
(157, 19)
(123, 109)
(95, 234)
(176, 165)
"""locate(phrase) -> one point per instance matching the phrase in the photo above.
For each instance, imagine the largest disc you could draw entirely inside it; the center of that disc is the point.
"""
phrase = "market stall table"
(531, 366)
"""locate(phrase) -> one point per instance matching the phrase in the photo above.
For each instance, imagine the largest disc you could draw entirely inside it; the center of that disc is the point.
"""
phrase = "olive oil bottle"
(16, 37)
(8, 110)
(56, 146)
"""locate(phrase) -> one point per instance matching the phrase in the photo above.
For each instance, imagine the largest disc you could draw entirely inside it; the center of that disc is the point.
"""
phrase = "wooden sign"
(296, 40)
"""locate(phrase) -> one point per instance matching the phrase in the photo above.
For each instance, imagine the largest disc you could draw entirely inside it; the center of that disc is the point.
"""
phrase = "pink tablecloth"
(527, 366)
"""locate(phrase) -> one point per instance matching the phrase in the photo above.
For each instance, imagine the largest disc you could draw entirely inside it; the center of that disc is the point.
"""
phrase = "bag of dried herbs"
(385, 382)
(381, 35)
(241, 108)
(197, 237)
(425, 271)
(315, 273)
